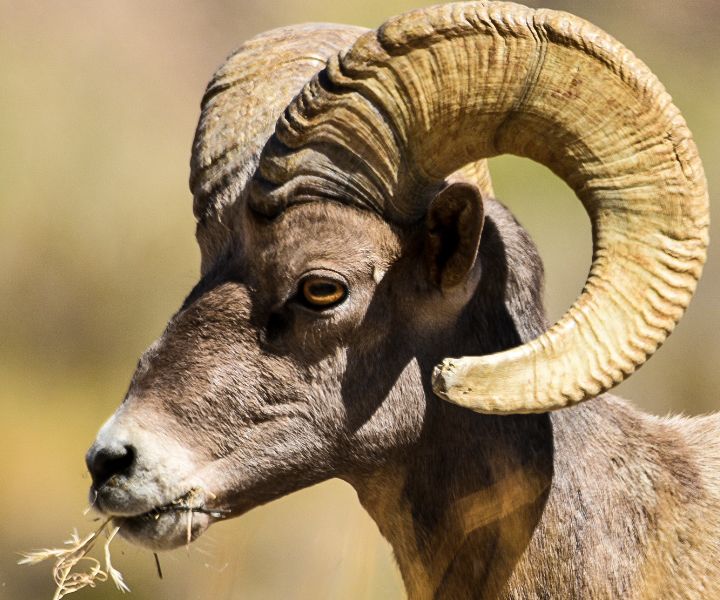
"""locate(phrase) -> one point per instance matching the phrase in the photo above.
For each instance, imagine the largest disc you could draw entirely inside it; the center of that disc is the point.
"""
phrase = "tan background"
(98, 103)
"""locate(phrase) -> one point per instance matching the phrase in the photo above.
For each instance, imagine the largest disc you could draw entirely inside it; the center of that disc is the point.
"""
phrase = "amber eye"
(322, 292)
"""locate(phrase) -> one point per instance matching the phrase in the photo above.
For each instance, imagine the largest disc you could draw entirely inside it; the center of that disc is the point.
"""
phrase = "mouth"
(170, 525)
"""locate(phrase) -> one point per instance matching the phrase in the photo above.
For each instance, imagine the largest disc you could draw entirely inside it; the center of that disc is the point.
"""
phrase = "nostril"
(105, 462)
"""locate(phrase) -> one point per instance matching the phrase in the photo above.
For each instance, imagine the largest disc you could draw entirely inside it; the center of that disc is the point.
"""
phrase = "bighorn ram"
(350, 243)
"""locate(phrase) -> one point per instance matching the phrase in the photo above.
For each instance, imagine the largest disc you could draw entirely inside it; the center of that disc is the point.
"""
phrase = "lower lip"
(163, 530)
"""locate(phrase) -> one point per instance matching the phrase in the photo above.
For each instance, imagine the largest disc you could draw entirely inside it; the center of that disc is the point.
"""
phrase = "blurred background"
(98, 104)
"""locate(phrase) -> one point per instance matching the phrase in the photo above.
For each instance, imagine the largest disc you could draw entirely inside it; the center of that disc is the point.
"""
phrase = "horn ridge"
(441, 87)
(239, 109)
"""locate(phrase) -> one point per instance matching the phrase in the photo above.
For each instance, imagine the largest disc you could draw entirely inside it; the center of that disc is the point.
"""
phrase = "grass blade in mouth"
(75, 569)
(68, 578)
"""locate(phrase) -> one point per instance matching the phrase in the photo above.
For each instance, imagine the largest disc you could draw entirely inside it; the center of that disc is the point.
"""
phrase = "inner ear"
(454, 224)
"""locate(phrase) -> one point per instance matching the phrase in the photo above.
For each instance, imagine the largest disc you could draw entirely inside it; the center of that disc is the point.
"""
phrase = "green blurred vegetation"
(98, 103)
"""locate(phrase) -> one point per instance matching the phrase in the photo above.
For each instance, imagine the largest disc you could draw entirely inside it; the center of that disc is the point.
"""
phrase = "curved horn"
(434, 89)
(239, 110)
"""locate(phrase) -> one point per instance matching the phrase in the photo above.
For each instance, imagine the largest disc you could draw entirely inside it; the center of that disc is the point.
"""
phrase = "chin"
(164, 530)
(151, 522)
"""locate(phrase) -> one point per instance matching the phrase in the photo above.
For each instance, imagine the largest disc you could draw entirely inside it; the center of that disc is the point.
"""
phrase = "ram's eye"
(322, 292)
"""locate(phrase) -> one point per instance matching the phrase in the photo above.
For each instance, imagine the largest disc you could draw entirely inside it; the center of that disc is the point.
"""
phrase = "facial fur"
(265, 395)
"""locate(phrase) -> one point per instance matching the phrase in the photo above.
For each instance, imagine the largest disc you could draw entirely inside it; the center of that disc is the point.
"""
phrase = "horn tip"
(477, 383)
(450, 383)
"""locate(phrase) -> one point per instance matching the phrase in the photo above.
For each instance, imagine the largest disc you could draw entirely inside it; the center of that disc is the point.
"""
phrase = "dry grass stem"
(68, 578)
(157, 565)
(188, 538)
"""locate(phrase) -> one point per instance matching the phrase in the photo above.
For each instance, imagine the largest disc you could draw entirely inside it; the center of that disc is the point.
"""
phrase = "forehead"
(319, 235)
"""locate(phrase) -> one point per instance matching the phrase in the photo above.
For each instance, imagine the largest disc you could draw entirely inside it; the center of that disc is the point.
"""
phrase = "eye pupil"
(322, 292)
(322, 289)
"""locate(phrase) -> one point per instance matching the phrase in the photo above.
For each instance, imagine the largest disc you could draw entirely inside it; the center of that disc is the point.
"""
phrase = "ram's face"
(278, 372)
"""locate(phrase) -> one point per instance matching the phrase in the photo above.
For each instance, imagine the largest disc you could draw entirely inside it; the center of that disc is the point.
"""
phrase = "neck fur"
(459, 514)
(460, 508)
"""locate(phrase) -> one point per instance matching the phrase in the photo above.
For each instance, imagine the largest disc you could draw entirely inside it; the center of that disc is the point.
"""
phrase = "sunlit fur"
(596, 501)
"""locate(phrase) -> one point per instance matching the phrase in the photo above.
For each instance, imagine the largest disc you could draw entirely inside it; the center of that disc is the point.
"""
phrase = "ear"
(454, 224)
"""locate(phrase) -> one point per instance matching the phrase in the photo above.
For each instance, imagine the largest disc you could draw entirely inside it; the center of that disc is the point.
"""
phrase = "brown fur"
(597, 501)
(626, 514)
